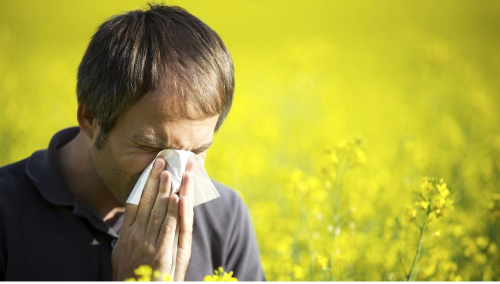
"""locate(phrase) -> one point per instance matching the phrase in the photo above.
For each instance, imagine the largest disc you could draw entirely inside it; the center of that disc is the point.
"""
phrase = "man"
(149, 80)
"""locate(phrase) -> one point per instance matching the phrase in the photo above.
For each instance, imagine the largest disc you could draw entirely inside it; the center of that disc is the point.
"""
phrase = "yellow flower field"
(364, 135)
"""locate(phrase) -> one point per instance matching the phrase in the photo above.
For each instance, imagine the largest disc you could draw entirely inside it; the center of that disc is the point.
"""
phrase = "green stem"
(419, 246)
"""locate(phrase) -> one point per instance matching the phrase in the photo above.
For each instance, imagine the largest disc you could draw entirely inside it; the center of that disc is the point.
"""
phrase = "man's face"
(139, 134)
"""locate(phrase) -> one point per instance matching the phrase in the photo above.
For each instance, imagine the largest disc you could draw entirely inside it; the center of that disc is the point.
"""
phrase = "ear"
(88, 123)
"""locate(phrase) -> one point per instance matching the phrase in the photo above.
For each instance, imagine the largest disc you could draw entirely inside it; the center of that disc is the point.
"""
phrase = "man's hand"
(148, 232)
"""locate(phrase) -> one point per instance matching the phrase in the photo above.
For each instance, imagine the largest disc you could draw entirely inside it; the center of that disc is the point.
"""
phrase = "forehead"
(154, 121)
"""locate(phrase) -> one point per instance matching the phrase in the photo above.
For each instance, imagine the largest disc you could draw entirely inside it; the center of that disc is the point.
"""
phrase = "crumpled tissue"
(204, 190)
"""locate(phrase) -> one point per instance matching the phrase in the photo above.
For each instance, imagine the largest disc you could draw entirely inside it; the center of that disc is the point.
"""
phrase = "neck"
(83, 181)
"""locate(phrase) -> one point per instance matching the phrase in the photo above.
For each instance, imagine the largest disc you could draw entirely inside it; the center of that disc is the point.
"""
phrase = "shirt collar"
(43, 169)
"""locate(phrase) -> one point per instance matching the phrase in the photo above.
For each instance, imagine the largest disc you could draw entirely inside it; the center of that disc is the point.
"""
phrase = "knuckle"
(168, 227)
(173, 205)
(157, 213)
(134, 239)
(154, 223)
(150, 249)
(163, 262)
(147, 199)
(163, 189)
(155, 174)
(156, 218)
(164, 192)
(183, 255)
(187, 229)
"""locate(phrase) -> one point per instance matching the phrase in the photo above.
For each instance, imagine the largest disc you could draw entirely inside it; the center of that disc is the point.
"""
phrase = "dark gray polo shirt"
(46, 234)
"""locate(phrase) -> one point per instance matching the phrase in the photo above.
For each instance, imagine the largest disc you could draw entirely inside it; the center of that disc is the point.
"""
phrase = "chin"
(121, 197)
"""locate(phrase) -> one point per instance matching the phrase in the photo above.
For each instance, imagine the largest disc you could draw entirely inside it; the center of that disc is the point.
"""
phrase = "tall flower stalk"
(419, 247)
(342, 158)
(434, 202)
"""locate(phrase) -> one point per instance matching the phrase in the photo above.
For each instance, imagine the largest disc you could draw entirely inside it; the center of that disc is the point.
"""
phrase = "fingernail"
(157, 164)
(173, 200)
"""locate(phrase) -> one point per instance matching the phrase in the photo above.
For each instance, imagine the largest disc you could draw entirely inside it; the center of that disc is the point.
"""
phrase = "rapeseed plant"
(220, 276)
(146, 273)
(435, 201)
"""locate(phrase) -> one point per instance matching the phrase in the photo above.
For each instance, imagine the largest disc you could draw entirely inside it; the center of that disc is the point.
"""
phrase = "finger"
(160, 208)
(130, 215)
(149, 194)
(187, 186)
(185, 238)
(190, 163)
(167, 231)
(190, 167)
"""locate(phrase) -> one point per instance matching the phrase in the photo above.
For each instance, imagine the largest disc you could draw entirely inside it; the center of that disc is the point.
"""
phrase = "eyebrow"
(154, 143)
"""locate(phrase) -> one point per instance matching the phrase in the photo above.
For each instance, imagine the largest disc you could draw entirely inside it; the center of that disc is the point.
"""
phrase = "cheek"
(123, 170)
(131, 160)
(109, 170)
(134, 164)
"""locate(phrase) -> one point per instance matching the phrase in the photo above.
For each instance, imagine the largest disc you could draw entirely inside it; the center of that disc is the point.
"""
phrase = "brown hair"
(164, 47)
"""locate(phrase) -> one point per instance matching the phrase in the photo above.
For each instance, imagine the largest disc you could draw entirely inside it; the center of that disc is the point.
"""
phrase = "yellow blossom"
(410, 214)
(443, 190)
(298, 272)
(333, 158)
(156, 274)
(220, 276)
(159, 276)
(143, 273)
(426, 188)
(436, 234)
(360, 155)
(341, 144)
(297, 175)
(323, 262)
(422, 205)
(439, 213)
(439, 203)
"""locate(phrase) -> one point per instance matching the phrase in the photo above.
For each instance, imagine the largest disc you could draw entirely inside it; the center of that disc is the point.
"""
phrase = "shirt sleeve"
(243, 251)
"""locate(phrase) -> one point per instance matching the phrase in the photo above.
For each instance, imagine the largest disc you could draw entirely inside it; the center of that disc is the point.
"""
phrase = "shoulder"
(223, 212)
(228, 196)
(15, 186)
(12, 177)
(12, 172)
(229, 205)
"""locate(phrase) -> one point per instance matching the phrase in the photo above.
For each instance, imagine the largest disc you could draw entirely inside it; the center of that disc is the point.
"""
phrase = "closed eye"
(151, 149)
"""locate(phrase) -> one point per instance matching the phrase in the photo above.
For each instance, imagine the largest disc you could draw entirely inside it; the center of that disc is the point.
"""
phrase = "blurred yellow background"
(341, 108)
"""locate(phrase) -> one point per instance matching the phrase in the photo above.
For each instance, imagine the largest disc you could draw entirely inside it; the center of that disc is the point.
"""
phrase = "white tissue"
(204, 190)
